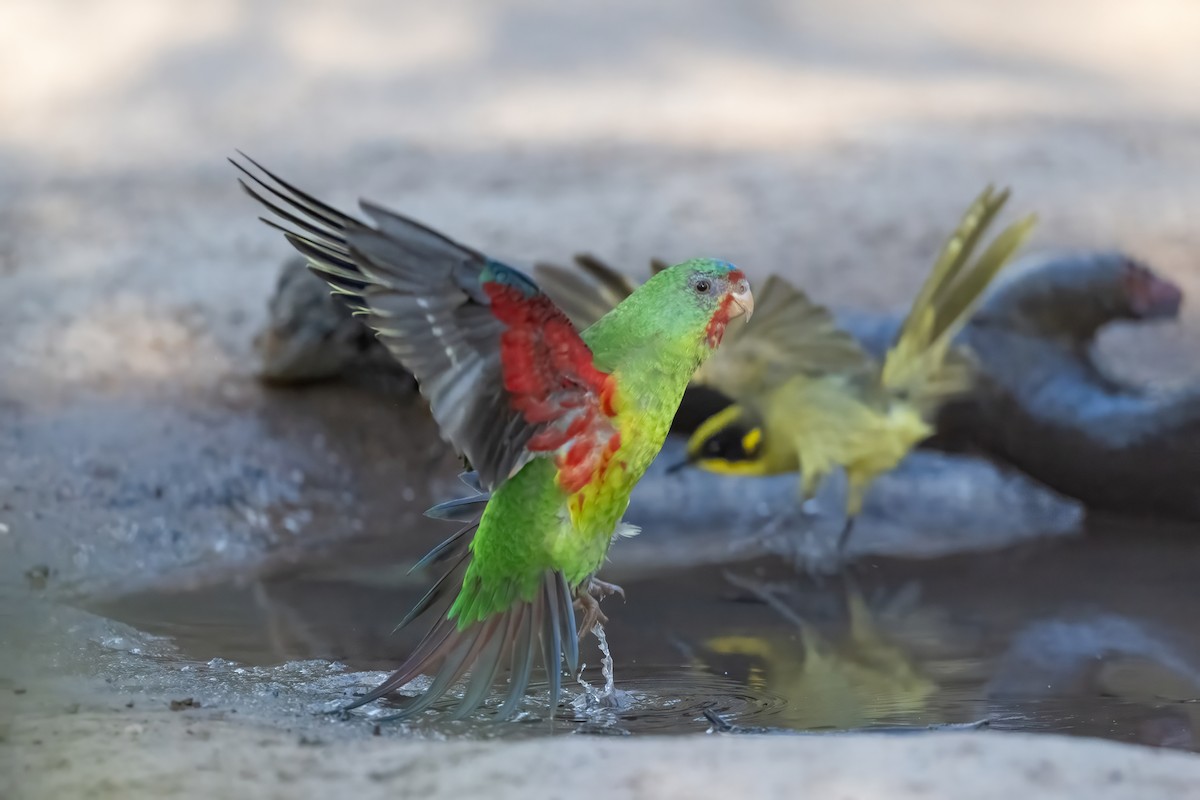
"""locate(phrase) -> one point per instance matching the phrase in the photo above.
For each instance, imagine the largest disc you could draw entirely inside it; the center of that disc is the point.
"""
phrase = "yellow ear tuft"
(752, 440)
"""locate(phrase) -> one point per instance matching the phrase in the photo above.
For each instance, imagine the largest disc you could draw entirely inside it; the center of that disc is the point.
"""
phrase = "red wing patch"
(552, 380)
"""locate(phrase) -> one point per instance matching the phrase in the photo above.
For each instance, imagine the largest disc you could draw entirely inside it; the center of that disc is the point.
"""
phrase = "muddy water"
(1094, 637)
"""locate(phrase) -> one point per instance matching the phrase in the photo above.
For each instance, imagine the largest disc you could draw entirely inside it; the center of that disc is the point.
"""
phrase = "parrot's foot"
(601, 589)
(587, 602)
(589, 606)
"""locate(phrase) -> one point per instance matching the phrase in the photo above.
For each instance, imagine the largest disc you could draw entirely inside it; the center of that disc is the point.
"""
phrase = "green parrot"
(558, 425)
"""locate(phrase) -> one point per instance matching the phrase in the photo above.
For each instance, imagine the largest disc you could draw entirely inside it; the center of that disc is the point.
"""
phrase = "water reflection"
(1087, 638)
(857, 676)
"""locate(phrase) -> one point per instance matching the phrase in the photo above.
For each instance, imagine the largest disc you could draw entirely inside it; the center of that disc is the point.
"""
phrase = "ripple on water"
(645, 700)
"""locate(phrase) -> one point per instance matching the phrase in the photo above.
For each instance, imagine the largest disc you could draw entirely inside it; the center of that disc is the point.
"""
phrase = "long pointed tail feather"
(540, 628)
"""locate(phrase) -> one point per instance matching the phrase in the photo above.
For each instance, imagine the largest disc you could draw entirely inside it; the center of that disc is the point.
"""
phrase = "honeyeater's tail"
(920, 366)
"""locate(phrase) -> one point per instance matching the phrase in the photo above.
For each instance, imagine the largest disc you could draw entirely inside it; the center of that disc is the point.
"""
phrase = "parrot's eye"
(702, 286)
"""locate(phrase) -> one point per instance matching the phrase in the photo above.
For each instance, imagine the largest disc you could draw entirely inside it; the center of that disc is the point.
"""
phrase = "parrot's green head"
(689, 304)
(670, 324)
(716, 293)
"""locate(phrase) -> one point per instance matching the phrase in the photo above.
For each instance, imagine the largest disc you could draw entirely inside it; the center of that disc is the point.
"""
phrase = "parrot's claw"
(589, 606)
(587, 602)
(601, 589)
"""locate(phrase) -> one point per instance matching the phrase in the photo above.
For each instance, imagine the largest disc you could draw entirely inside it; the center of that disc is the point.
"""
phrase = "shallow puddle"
(1092, 637)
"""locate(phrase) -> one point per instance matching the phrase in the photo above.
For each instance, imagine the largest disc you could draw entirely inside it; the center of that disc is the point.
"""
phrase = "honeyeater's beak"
(743, 299)
(671, 470)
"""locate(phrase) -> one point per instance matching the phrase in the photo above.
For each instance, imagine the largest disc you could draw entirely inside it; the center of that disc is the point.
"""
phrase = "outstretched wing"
(506, 375)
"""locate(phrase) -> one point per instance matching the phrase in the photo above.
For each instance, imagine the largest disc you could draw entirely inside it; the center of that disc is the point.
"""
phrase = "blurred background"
(830, 142)
(834, 143)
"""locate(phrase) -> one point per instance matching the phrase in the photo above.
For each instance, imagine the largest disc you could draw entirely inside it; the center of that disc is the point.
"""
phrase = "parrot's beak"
(743, 299)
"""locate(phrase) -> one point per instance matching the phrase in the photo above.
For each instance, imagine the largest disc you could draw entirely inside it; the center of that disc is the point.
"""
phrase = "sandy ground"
(224, 758)
(834, 143)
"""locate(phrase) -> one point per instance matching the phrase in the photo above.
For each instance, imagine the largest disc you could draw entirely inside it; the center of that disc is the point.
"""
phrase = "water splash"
(607, 698)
